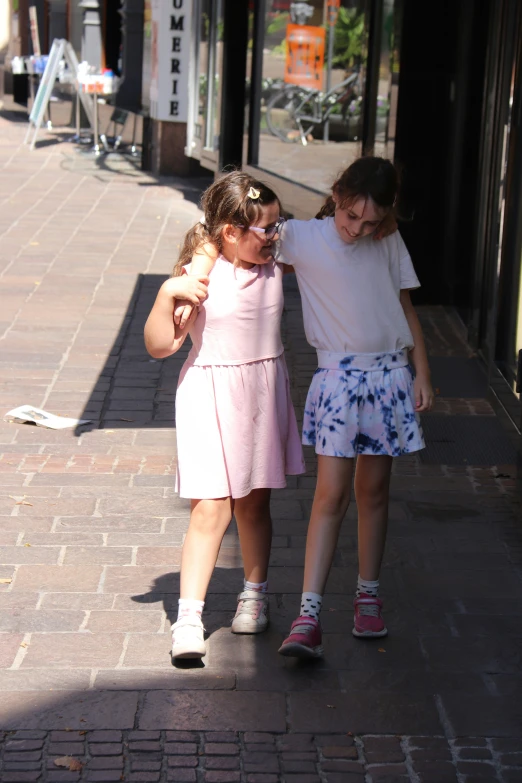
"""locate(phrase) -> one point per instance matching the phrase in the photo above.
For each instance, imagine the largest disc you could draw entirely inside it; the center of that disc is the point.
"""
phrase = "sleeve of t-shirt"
(289, 243)
(408, 278)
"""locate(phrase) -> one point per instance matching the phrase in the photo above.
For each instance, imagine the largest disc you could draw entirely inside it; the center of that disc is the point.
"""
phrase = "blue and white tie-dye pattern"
(362, 404)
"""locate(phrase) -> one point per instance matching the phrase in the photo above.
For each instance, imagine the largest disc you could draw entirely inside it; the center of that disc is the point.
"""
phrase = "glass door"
(204, 123)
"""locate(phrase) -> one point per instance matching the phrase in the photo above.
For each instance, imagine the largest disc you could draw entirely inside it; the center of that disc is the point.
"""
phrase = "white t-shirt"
(350, 292)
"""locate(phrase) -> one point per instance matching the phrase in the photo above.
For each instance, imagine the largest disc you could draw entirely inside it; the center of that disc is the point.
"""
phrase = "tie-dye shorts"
(362, 404)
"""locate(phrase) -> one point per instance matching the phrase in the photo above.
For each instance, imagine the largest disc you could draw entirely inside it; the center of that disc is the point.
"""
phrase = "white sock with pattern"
(311, 605)
(259, 587)
(367, 586)
(190, 607)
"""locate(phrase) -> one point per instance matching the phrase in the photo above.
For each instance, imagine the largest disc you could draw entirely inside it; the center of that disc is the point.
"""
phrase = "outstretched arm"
(202, 263)
(423, 389)
(162, 336)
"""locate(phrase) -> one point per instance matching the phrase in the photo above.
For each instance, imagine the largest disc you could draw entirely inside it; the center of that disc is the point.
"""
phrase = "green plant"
(348, 38)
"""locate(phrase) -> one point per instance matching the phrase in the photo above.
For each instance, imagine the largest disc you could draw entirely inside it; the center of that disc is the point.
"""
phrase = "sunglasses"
(270, 231)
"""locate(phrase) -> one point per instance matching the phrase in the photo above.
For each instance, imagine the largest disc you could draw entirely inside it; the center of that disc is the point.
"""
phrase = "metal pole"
(96, 140)
(326, 130)
(78, 128)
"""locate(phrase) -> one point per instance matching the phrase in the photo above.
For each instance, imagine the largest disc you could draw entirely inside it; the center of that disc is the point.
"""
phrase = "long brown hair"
(226, 201)
(367, 177)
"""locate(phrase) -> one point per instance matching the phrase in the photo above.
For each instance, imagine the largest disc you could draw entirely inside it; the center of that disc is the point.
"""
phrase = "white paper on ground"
(43, 418)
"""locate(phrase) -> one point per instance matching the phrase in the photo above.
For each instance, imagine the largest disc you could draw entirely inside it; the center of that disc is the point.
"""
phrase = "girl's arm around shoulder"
(422, 387)
(162, 336)
(202, 263)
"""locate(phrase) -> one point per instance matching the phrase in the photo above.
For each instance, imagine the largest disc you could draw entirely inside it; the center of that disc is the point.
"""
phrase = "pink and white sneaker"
(252, 612)
(305, 639)
(367, 620)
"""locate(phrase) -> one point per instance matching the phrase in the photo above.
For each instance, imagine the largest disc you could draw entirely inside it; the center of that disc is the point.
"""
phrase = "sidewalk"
(91, 535)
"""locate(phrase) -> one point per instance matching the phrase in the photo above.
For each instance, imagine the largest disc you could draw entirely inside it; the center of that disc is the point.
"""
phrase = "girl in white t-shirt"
(364, 399)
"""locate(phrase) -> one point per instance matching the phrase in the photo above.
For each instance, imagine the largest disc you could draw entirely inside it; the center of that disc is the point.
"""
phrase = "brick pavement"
(91, 535)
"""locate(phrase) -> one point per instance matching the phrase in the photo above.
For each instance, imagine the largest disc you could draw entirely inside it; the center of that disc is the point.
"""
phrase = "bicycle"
(294, 111)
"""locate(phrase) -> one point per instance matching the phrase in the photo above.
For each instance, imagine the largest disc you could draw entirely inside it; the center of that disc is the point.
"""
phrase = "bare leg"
(254, 525)
(372, 490)
(331, 500)
(209, 520)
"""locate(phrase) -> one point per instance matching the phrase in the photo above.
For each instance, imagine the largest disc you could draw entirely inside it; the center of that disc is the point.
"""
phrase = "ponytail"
(194, 238)
(327, 210)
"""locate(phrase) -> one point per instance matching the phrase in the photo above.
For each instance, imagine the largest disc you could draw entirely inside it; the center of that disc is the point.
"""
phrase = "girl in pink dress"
(236, 429)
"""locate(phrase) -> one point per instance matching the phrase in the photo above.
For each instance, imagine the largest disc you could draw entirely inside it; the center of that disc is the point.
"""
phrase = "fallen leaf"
(82, 732)
(27, 544)
(5, 581)
(24, 644)
(381, 649)
(69, 762)
(34, 243)
(109, 431)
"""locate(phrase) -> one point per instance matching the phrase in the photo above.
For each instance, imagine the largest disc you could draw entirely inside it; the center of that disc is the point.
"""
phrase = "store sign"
(304, 55)
(171, 26)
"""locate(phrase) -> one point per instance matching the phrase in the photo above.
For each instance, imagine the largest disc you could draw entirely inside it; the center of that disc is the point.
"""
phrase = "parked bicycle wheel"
(290, 115)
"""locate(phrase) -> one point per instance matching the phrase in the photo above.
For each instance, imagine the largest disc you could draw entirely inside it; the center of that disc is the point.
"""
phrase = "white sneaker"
(252, 612)
(188, 638)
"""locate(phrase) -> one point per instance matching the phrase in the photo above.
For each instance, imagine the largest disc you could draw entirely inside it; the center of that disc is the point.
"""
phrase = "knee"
(372, 495)
(210, 519)
(332, 502)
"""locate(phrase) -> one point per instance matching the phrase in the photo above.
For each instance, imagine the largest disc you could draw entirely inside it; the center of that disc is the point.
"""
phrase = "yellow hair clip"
(253, 193)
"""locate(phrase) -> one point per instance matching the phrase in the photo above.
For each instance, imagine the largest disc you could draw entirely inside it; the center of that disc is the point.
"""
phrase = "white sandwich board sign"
(60, 49)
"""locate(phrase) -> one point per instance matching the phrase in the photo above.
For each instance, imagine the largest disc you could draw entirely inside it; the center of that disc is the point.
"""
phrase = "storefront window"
(204, 131)
(311, 111)
(314, 77)
(388, 83)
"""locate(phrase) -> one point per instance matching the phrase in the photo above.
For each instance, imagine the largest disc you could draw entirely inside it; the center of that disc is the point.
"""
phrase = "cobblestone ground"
(91, 535)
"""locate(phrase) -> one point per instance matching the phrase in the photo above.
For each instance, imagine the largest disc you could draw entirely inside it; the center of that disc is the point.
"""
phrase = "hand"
(423, 392)
(182, 312)
(387, 226)
(193, 288)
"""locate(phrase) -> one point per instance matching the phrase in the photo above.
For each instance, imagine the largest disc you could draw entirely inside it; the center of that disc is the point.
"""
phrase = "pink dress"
(235, 423)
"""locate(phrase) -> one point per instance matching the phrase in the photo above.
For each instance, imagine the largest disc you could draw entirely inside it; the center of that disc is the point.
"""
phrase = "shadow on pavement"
(141, 390)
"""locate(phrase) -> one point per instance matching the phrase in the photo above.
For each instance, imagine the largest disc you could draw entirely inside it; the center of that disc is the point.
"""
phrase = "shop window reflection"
(307, 133)
(209, 69)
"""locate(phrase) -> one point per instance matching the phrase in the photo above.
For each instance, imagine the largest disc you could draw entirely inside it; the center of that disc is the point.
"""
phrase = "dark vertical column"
(256, 80)
(424, 121)
(371, 90)
(129, 91)
(57, 19)
(112, 35)
(235, 39)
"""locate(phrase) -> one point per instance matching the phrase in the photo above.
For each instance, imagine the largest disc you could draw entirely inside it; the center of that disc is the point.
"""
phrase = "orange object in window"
(304, 55)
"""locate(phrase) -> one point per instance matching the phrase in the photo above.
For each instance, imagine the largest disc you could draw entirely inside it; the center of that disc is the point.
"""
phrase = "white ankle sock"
(368, 587)
(190, 607)
(260, 587)
(311, 605)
